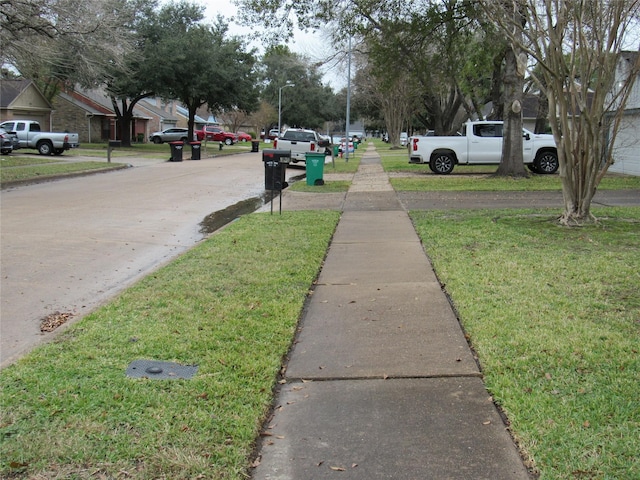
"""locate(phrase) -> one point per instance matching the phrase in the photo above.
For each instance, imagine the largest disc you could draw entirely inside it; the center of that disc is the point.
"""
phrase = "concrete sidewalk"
(381, 382)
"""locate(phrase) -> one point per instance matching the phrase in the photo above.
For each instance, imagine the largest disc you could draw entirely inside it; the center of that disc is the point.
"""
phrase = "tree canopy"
(66, 41)
(575, 47)
(177, 56)
(309, 103)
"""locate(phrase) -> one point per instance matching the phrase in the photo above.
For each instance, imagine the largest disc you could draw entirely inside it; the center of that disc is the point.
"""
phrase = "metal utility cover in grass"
(156, 369)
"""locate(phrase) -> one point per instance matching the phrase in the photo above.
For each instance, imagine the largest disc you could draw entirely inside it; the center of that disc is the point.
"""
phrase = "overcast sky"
(309, 45)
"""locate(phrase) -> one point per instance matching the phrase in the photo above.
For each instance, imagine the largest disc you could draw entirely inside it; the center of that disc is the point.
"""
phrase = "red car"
(243, 137)
(216, 134)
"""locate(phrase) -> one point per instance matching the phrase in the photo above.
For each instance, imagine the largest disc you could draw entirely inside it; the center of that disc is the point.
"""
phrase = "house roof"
(146, 104)
(10, 90)
(98, 102)
(198, 119)
(80, 104)
(629, 56)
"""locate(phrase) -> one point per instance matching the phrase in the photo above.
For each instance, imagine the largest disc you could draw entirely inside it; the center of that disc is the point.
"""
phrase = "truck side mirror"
(527, 136)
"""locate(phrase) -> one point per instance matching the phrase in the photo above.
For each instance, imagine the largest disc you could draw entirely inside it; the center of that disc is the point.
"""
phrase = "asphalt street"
(69, 245)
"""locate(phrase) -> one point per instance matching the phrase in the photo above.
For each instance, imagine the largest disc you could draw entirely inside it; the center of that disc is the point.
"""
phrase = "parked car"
(173, 134)
(273, 134)
(8, 142)
(243, 137)
(213, 133)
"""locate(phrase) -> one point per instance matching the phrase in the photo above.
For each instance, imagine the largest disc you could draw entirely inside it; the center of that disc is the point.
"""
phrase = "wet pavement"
(69, 245)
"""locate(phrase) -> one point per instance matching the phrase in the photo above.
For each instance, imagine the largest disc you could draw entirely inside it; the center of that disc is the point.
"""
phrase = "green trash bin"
(315, 168)
(336, 150)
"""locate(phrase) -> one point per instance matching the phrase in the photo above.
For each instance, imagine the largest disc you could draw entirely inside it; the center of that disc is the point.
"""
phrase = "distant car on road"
(216, 134)
(173, 134)
(273, 134)
(243, 137)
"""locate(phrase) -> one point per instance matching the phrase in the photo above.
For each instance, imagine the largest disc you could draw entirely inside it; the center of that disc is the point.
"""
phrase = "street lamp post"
(280, 104)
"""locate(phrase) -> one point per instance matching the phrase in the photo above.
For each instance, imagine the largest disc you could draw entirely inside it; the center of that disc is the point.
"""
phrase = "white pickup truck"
(481, 143)
(47, 143)
(301, 142)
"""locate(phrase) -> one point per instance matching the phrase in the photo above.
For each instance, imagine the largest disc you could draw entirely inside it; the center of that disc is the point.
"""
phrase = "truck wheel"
(157, 140)
(228, 141)
(442, 163)
(58, 151)
(546, 162)
(45, 148)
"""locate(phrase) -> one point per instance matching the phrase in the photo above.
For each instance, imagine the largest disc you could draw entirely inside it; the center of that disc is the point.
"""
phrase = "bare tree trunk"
(124, 115)
(542, 115)
(512, 163)
(397, 103)
(443, 110)
(496, 93)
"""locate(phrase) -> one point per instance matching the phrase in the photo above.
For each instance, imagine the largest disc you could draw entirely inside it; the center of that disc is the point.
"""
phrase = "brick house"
(92, 115)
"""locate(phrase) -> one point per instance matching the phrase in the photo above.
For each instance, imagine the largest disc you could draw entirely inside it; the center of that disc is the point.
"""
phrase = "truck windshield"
(299, 136)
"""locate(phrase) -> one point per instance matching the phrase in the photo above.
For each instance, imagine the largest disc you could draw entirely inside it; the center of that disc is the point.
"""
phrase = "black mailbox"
(275, 168)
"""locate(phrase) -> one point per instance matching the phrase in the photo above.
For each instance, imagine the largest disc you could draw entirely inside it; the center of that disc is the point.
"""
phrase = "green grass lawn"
(230, 305)
(422, 179)
(330, 186)
(26, 168)
(554, 316)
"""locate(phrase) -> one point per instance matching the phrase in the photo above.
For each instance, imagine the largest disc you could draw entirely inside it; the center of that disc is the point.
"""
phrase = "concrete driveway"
(69, 245)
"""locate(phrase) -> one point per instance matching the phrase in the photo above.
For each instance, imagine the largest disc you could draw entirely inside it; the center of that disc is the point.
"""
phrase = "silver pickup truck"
(301, 142)
(47, 143)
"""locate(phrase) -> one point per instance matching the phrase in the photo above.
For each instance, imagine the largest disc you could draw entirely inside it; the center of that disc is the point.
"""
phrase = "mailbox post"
(112, 144)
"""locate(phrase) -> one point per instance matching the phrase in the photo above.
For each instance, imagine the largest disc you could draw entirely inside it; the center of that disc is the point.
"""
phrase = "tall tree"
(198, 64)
(64, 41)
(515, 61)
(576, 45)
(447, 47)
(309, 103)
(130, 81)
(396, 96)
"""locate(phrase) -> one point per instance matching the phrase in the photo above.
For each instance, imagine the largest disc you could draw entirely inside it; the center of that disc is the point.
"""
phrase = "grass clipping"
(230, 305)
